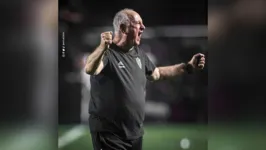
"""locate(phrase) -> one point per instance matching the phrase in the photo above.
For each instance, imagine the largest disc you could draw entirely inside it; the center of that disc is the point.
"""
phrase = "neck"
(121, 41)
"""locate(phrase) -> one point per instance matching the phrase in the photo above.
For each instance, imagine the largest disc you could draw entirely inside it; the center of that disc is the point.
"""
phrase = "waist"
(119, 127)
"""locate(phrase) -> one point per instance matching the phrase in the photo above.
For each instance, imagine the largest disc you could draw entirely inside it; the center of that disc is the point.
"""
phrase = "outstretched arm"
(168, 72)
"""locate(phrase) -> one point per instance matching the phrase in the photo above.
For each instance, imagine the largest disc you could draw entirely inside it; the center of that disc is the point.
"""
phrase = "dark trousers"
(109, 141)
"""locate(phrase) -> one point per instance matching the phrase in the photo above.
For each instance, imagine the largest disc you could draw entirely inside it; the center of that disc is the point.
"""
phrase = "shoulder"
(109, 53)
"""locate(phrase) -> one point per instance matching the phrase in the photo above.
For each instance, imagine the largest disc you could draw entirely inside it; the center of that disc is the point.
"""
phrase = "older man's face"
(136, 28)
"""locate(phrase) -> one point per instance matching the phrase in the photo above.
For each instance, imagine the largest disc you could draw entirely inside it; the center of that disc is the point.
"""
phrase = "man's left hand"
(197, 61)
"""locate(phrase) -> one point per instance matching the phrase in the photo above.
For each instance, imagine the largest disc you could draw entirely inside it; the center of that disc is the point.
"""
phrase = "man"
(118, 69)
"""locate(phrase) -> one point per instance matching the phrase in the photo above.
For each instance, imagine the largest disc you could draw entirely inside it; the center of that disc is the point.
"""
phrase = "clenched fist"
(106, 39)
(197, 61)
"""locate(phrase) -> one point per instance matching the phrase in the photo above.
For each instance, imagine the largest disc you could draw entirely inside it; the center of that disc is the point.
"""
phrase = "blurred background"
(29, 81)
(176, 110)
(236, 74)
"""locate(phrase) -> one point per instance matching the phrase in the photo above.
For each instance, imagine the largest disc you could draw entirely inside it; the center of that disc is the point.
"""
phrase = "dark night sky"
(162, 12)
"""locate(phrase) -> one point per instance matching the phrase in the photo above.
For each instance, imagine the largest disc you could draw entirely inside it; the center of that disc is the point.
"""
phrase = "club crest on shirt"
(139, 62)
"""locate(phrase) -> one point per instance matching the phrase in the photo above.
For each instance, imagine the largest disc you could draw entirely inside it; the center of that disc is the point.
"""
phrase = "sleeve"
(149, 66)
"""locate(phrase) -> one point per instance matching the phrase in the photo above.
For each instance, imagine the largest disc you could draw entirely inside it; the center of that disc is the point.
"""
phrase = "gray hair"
(121, 17)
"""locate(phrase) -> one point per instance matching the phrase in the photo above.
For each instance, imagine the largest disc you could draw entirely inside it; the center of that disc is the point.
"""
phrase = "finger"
(202, 62)
(109, 37)
(110, 41)
(106, 37)
(202, 59)
(109, 34)
(197, 55)
(202, 55)
(106, 42)
(201, 66)
(102, 35)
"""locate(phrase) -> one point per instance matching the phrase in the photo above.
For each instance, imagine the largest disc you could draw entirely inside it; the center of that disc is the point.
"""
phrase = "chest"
(129, 69)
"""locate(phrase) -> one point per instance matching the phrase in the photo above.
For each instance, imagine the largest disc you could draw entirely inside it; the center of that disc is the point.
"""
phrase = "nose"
(142, 27)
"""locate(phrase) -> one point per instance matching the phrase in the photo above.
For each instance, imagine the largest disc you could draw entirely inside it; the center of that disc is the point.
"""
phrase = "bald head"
(124, 16)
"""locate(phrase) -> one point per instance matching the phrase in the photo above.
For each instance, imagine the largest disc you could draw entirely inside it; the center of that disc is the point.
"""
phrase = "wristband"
(189, 68)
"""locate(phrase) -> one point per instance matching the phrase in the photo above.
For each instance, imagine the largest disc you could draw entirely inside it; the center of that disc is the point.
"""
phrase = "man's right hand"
(106, 39)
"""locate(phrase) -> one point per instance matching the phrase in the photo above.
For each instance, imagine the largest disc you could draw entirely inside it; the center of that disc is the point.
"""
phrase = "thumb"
(108, 43)
(198, 55)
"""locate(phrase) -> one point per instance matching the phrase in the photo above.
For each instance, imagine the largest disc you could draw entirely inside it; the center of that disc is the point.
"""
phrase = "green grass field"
(180, 137)
(157, 137)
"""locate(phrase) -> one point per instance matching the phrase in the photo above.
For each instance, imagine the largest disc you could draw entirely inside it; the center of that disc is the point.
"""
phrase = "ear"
(123, 28)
